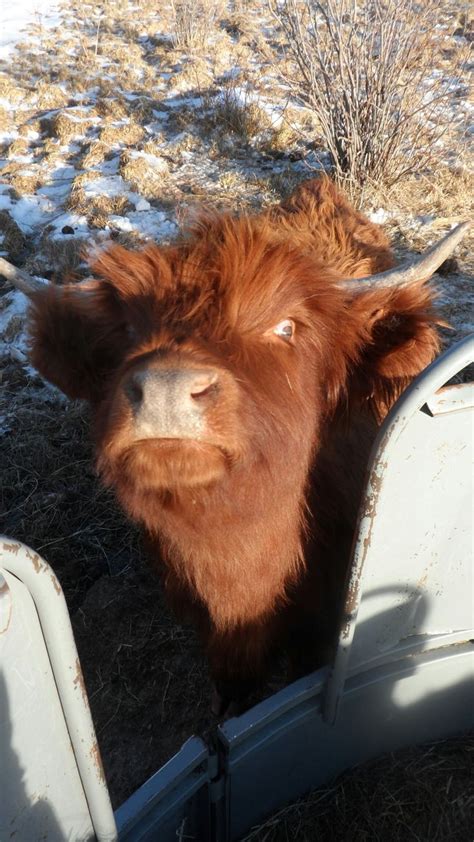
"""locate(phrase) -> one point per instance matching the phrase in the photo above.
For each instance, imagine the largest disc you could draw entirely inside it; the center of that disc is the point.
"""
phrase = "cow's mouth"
(172, 463)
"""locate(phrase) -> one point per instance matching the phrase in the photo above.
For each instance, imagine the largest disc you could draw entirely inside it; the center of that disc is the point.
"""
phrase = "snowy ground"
(16, 17)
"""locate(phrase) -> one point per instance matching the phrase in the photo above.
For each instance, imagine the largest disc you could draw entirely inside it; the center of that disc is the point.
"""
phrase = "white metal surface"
(411, 586)
(52, 785)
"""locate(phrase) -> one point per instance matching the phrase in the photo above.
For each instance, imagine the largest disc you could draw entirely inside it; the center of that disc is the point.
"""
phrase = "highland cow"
(237, 380)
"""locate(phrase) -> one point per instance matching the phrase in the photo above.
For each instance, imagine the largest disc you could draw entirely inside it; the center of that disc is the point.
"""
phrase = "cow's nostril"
(203, 386)
(203, 393)
(134, 390)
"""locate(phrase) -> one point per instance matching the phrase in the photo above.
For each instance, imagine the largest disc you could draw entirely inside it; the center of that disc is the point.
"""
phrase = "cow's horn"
(418, 268)
(20, 279)
(29, 285)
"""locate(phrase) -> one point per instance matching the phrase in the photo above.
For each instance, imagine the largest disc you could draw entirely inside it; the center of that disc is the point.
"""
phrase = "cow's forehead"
(234, 273)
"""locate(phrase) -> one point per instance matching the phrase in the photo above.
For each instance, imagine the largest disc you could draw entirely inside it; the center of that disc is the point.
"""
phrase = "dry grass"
(26, 181)
(145, 174)
(94, 153)
(113, 107)
(70, 123)
(236, 111)
(127, 134)
(20, 146)
(194, 23)
(421, 794)
(95, 207)
(49, 96)
(6, 120)
(12, 238)
(51, 149)
(425, 206)
(10, 90)
(59, 258)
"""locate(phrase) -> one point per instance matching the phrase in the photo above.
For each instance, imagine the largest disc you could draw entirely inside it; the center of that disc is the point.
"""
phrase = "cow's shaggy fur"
(251, 524)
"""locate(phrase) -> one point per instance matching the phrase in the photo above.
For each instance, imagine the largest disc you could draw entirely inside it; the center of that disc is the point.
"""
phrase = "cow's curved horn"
(418, 268)
(20, 279)
(30, 285)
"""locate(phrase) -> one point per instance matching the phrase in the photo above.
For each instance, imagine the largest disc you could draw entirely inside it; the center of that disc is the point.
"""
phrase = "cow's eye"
(285, 329)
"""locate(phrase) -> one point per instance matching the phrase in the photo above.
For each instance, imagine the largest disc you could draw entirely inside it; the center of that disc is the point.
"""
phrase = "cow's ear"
(77, 337)
(397, 339)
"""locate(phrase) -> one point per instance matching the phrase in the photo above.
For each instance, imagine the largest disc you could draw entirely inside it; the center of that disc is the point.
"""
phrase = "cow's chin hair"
(172, 464)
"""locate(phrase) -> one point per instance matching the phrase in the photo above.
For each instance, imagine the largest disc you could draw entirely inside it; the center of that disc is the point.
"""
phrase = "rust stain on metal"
(368, 513)
(78, 682)
(11, 548)
(35, 560)
(4, 591)
(422, 580)
(97, 761)
(56, 585)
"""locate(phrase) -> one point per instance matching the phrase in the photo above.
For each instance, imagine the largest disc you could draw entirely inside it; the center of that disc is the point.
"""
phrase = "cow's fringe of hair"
(275, 515)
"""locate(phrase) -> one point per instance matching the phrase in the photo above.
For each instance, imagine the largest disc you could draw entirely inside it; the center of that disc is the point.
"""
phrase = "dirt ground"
(145, 674)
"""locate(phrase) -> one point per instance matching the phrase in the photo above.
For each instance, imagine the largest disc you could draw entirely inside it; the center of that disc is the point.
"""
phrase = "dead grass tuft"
(141, 109)
(49, 96)
(31, 125)
(185, 142)
(96, 209)
(51, 149)
(69, 124)
(235, 111)
(146, 174)
(230, 181)
(18, 147)
(196, 74)
(115, 107)
(13, 241)
(27, 181)
(194, 23)
(155, 146)
(280, 139)
(10, 89)
(60, 256)
(125, 134)
(94, 153)
(6, 120)
(79, 181)
(423, 205)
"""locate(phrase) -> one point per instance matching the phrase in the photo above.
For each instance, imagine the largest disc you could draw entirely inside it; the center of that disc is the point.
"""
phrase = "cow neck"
(238, 555)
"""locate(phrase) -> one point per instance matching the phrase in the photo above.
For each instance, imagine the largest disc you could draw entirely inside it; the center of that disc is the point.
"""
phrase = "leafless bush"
(194, 22)
(365, 68)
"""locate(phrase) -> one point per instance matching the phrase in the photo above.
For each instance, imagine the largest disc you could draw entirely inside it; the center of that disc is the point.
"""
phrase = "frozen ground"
(16, 17)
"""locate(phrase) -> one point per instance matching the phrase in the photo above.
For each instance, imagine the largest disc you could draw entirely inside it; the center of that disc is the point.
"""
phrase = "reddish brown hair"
(253, 521)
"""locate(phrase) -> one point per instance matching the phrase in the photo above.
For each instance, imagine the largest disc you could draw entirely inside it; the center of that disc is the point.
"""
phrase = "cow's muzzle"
(171, 403)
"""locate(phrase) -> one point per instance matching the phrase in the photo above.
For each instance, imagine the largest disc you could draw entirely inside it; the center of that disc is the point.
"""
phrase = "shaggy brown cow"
(237, 384)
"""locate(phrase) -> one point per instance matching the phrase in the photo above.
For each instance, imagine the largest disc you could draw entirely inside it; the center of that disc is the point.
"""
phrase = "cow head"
(229, 348)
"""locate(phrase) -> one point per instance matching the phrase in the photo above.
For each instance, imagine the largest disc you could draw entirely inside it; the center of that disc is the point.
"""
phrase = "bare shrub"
(194, 22)
(366, 69)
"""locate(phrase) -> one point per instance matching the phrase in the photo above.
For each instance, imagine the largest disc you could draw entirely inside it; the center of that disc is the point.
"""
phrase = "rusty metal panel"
(411, 581)
(51, 779)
